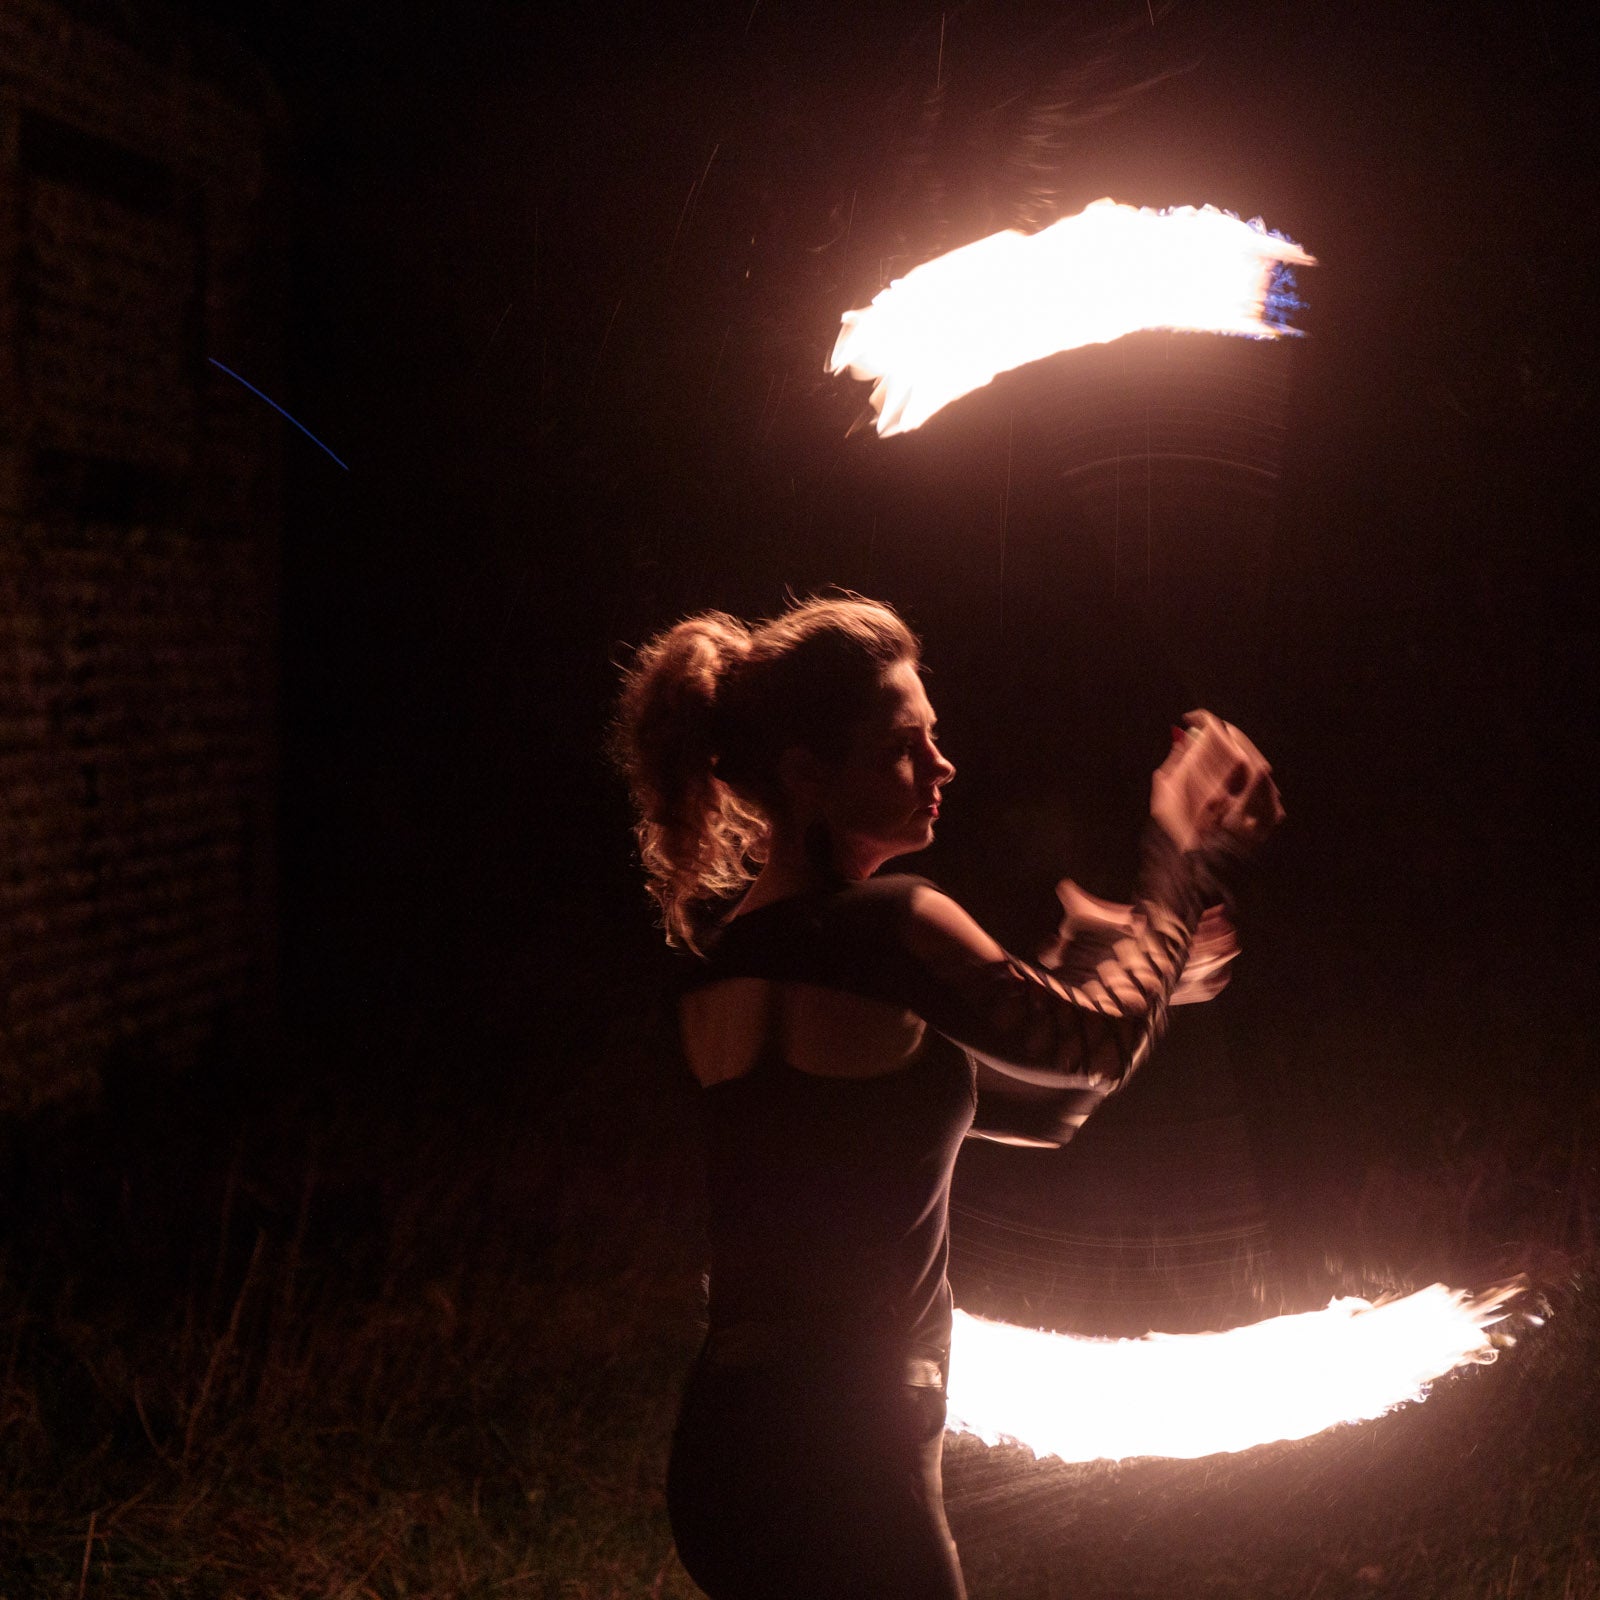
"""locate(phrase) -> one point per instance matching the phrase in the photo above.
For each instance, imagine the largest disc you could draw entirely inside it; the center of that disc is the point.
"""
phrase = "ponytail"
(698, 841)
(706, 711)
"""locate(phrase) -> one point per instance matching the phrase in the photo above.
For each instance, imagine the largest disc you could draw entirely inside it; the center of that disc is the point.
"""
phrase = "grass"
(441, 1363)
(400, 1364)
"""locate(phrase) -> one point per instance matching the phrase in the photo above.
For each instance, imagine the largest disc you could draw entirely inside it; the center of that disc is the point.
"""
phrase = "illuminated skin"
(879, 802)
(882, 801)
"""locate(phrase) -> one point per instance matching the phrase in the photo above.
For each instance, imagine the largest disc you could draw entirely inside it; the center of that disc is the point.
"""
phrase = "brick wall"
(138, 548)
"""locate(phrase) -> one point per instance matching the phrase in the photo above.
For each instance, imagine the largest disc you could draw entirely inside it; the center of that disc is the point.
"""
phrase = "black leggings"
(810, 1485)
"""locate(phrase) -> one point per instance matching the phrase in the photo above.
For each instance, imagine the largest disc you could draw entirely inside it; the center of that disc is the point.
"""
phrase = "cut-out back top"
(828, 1194)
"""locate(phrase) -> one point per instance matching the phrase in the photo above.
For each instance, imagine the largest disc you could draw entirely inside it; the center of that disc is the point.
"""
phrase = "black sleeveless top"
(829, 1196)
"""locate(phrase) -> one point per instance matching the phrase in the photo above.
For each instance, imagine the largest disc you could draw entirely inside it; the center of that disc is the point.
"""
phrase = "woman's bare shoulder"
(938, 927)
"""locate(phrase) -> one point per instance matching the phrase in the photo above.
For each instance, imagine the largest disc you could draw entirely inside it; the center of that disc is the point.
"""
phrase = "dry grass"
(449, 1445)
(445, 1365)
(437, 1370)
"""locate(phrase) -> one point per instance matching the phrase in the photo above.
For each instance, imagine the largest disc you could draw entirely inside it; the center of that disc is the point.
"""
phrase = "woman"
(849, 1031)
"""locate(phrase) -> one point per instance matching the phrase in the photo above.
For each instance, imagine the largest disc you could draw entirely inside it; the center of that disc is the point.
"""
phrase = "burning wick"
(953, 324)
(1188, 1395)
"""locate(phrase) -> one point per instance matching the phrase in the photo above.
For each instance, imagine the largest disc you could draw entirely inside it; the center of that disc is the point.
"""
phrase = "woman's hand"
(1215, 788)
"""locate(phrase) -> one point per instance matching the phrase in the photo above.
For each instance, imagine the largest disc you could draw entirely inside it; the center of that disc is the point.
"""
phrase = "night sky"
(562, 284)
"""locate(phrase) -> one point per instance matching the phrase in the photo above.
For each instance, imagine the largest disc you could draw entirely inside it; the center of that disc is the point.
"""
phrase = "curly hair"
(707, 710)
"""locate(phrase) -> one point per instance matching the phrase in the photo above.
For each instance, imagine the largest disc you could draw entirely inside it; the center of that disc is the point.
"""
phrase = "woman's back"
(833, 1119)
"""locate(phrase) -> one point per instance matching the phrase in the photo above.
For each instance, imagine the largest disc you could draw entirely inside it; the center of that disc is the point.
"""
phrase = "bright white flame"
(951, 325)
(1192, 1395)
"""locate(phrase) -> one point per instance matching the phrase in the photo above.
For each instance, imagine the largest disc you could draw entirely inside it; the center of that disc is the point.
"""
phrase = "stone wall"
(139, 509)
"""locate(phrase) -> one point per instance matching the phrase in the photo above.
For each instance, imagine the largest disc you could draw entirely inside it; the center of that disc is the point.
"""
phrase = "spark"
(695, 188)
(496, 334)
(279, 409)
(716, 366)
(954, 323)
(599, 354)
(1193, 1395)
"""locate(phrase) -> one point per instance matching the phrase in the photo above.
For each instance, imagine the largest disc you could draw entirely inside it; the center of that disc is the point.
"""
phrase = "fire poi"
(955, 323)
(1189, 1395)
(951, 326)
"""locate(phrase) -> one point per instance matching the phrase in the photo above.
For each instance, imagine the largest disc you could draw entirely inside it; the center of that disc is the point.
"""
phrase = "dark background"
(563, 284)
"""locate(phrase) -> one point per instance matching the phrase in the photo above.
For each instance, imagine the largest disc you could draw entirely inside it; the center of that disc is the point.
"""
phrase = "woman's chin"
(915, 836)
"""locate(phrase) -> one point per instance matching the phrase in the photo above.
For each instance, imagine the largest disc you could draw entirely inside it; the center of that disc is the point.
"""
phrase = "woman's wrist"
(1185, 881)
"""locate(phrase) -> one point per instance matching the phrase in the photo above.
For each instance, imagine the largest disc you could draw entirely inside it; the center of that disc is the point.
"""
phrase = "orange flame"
(1190, 1395)
(953, 324)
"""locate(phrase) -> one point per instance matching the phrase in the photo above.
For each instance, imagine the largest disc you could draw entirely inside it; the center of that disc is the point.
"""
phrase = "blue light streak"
(279, 409)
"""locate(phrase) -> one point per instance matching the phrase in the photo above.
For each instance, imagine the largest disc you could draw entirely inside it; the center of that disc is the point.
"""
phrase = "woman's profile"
(849, 1029)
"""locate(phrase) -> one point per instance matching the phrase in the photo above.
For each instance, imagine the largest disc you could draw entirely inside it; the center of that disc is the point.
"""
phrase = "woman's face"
(883, 799)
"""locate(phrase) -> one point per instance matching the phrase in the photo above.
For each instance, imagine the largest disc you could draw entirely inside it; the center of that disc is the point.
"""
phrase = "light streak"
(954, 323)
(279, 409)
(1188, 1395)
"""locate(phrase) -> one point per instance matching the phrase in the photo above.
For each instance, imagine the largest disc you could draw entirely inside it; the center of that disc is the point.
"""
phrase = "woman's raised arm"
(1059, 1046)
(1023, 1021)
